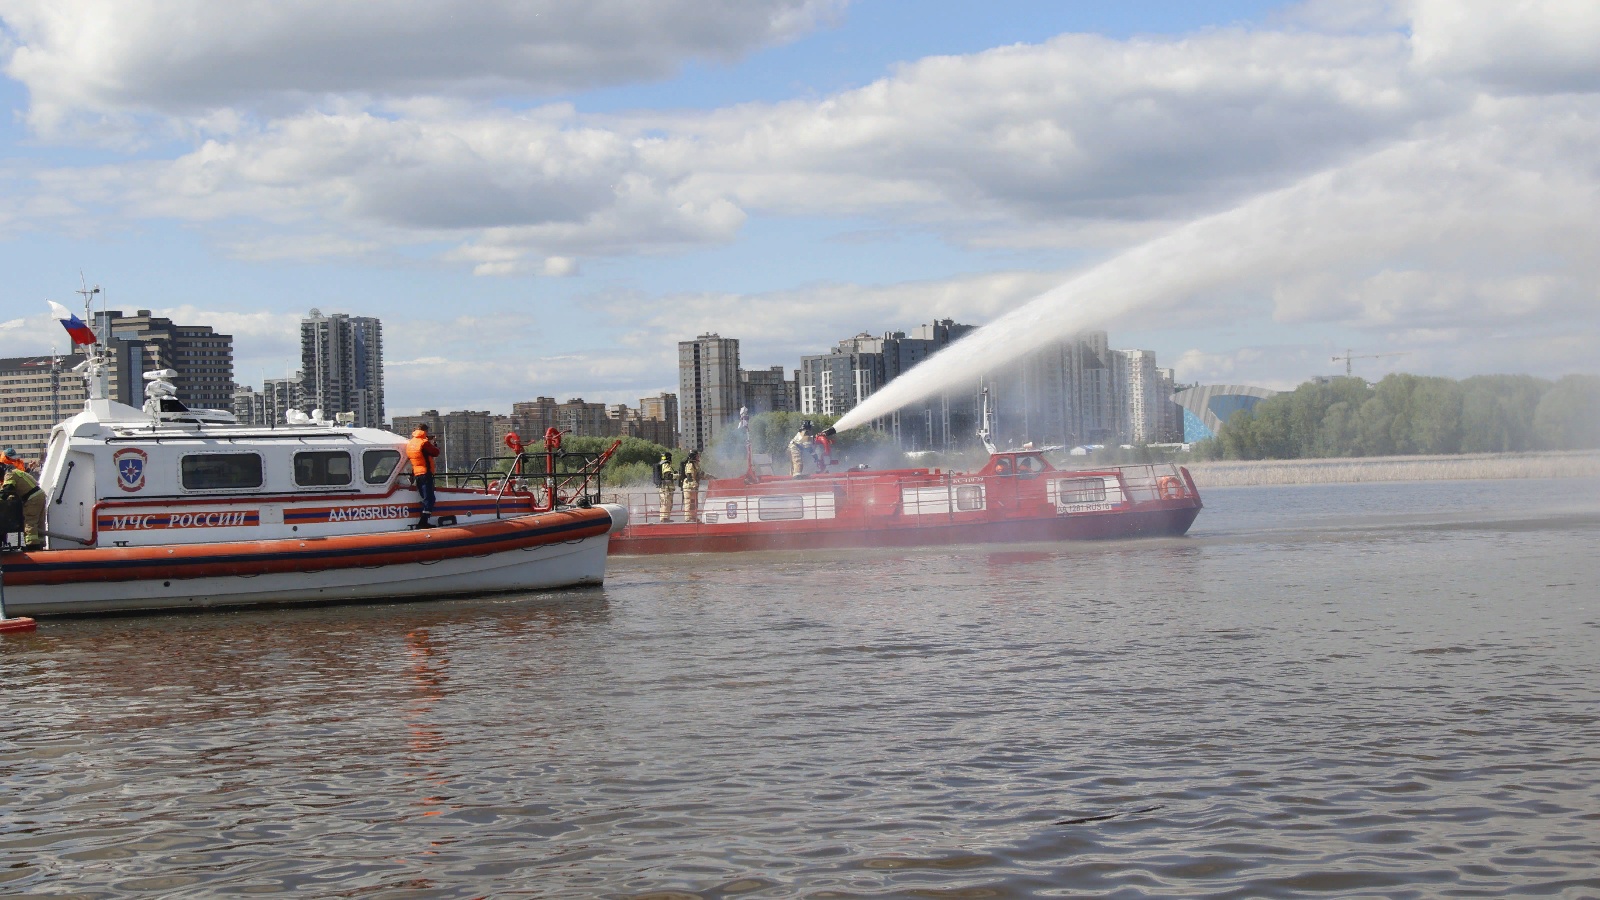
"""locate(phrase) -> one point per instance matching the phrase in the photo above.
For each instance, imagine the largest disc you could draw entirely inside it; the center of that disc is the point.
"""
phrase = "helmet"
(807, 426)
(11, 452)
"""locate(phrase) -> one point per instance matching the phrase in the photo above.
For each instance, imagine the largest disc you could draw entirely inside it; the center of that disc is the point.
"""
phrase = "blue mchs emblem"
(733, 510)
(130, 468)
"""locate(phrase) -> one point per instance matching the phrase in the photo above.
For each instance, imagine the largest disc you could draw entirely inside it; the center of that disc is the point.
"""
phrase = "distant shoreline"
(1463, 467)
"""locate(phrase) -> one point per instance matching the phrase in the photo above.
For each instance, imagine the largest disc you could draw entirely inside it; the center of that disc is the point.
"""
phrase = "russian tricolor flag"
(81, 333)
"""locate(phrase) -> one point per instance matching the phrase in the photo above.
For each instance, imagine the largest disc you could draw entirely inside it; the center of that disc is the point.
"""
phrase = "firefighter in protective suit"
(19, 484)
(800, 448)
(667, 479)
(691, 486)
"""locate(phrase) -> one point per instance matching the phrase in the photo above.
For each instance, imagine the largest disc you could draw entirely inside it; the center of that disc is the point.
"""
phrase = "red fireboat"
(1018, 496)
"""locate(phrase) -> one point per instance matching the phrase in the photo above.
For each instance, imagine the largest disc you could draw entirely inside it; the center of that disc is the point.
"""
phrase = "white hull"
(554, 565)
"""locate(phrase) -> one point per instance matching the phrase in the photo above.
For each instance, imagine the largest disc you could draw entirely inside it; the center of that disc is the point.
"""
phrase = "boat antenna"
(88, 307)
(94, 366)
(749, 455)
(984, 431)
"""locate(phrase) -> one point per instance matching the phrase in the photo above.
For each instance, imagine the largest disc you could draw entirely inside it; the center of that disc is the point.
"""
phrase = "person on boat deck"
(691, 486)
(422, 451)
(668, 485)
(824, 449)
(10, 458)
(18, 483)
(800, 446)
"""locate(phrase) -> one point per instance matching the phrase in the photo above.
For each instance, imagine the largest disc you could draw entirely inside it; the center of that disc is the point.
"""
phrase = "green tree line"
(1414, 414)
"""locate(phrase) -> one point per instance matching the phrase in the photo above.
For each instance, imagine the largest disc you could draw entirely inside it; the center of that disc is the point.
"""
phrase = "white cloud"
(1080, 126)
(301, 247)
(778, 327)
(33, 335)
(1255, 365)
(526, 187)
(1078, 137)
(1538, 46)
(195, 57)
(1339, 173)
(1513, 208)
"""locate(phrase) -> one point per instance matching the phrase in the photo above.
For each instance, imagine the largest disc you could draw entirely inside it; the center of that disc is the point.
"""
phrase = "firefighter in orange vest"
(422, 451)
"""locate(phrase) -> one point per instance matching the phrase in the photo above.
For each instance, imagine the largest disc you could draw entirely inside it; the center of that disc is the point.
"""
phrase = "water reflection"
(1279, 710)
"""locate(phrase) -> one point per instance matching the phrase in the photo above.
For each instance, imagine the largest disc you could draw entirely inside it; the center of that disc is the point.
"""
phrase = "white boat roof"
(108, 419)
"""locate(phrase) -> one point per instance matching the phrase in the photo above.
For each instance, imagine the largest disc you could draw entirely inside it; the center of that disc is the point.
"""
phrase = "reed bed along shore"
(1241, 473)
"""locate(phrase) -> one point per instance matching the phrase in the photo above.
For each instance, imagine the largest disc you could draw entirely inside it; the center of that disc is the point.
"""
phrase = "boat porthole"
(166, 584)
(294, 527)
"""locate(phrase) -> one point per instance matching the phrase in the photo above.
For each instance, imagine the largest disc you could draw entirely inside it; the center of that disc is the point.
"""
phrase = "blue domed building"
(1206, 408)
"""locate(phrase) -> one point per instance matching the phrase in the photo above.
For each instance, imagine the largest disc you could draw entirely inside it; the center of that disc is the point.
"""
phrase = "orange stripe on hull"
(245, 558)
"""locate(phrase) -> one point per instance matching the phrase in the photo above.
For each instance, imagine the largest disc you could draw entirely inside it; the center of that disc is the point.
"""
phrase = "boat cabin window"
(221, 471)
(321, 468)
(969, 496)
(1081, 490)
(1029, 465)
(378, 465)
(780, 508)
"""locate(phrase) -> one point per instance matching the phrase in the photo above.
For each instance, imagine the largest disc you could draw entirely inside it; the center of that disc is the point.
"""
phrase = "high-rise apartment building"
(463, 437)
(946, 420)
(1069, 393)
(270, 405)
(247, 405)
(708, 389)
(1059, 395)
(833, 383)
(530, 419)
(768, 390)
(663, 406)
(140, 343)
(662, 409)
(36, 392)
(578, 417)
(341, 366)
(1169, 415)
(1140, 388)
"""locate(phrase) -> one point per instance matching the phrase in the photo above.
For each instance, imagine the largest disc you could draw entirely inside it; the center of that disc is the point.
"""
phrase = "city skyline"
(1403, 177)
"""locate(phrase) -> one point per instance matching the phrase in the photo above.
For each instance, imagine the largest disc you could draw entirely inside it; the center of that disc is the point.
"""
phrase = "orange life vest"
(421, 451)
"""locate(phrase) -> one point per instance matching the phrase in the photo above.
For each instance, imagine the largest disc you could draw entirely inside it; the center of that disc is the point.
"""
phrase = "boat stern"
(619, 516)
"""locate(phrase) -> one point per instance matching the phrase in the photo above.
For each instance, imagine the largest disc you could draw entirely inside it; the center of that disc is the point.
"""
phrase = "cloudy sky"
(542, 197)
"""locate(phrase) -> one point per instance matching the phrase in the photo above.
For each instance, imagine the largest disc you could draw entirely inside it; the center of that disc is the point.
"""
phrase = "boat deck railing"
(1157, 481)
(920, 498)
(644, 508)
(553, 479)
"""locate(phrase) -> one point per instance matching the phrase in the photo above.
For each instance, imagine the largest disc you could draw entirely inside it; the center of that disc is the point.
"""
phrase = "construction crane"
(1350, 354)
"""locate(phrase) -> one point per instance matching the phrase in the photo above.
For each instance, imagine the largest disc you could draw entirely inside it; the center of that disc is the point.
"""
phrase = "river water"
(1379, 690)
